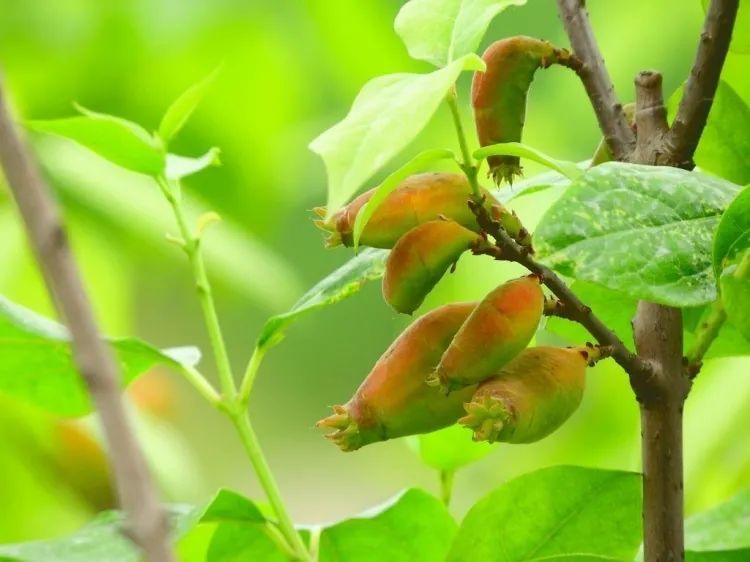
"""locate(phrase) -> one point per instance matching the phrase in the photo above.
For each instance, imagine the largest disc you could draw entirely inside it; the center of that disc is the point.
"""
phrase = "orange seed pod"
(393, 400)
(496, 331)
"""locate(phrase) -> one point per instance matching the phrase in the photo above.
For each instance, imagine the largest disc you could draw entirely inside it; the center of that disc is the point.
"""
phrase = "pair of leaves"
(129, 145)
(644, 231)
(38, 366)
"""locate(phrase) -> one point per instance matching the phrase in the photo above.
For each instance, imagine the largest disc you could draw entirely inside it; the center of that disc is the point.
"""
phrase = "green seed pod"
(499, 94)
(420, 258)
(496, 331)
(531, 396)
(393, 400)
(416, 200)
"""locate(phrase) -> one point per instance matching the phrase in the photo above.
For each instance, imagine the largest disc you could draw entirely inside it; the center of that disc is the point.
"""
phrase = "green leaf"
(726, 527)
(534, 184)
(735, 293)
(387, 114)
(182, 166)
(390, 183)
(724, 145)
(449, 449)
(733, 233)
(741, 555)
(342, 283)
(182, 108)
(238, 542)
(413, 526)
(644, 231)
(568, 169)
(100, 540)
(37, 363)
(227, 505)
(441, 31)
(563, 512)
(120, 141)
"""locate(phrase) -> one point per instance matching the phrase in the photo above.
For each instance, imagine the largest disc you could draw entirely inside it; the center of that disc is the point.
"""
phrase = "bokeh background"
(291, 69)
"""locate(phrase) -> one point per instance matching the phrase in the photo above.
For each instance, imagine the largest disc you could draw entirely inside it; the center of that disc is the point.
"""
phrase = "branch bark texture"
(612, 121)
(147, 524)
(701, 85)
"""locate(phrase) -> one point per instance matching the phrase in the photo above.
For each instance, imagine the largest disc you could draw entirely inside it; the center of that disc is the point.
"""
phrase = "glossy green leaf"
(237, 542)
(735, 293)
(449, 449)
(725, 527)
(733, 233)
(390, 183)
(558, 513)
(724, 145)
(227, 505)
(413, 526)
(568, 169)
(740, 555)
(342, 283)
(387, 114)
(38, 367)
(101, 540)
(182, 166)
(440, 31)
(645, 231)
(534, 184)
(182, 108)
(122, 142)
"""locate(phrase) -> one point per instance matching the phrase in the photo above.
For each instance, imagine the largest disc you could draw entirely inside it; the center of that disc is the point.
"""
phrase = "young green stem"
(191, 245)
(251, 371)
(241, 422)
(201, 385)
(468, 165)
(446, 486)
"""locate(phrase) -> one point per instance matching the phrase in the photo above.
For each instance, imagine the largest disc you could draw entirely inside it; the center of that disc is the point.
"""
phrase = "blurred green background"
(291, 69)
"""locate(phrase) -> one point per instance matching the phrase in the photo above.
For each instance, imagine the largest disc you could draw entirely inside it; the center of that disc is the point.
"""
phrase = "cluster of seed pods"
(466, 363)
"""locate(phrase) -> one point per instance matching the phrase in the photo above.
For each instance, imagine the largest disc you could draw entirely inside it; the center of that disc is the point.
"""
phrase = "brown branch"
(650, 118)
(147, 524)
(596, 80)
(509, 250)
(701, 85)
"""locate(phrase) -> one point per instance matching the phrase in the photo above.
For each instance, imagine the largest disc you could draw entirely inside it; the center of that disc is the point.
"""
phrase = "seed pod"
(418, 199)
(496, 331)
(420, 258)
(499, 94)
(531, 396)
(393, 400)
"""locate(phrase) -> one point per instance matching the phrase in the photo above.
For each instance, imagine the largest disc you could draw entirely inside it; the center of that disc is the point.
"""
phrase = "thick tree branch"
(650, 118)
(146, 520)
(700, 88)
(596, 80)
(508, 249)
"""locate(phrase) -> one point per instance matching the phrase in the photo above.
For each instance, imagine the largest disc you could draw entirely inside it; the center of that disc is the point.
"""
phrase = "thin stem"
(701, 85)
(707, 332)
(191, 245)
(251, 371)
(469, 167)
(200, 384)
(446, 485)
(244, 428)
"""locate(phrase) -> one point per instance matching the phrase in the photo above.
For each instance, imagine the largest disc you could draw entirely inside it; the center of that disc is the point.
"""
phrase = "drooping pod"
(420, 258)
(498, 95)
(501, 325)
(531, 396)
(393, 400)
(416, 200)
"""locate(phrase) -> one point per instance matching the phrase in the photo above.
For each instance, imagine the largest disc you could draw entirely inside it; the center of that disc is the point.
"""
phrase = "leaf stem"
(249, 440)
(446, 485)
(468, 165)
(246, 388)
(200, 384)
